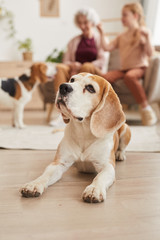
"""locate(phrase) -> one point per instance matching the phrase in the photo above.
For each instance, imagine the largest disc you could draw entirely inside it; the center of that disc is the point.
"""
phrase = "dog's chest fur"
(86, 148)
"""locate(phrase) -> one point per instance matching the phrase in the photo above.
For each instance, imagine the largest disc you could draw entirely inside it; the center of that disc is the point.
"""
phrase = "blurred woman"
(84, 52)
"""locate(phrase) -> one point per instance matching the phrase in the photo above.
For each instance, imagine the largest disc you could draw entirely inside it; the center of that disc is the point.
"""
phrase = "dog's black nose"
(65, 89)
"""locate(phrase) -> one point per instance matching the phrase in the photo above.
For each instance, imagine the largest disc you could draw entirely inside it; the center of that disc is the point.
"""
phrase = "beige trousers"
(63, 73)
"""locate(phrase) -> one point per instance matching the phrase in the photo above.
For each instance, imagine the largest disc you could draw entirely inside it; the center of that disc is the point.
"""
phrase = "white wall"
(49, 33)
(156, 34)
(152, 14)
(152, 9)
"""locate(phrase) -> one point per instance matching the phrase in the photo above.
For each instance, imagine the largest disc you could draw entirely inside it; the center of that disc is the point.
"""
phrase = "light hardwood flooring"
(131, 210)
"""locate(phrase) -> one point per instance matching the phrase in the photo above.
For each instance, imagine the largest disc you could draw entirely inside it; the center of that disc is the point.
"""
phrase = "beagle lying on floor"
(17, 92)
(95, 136)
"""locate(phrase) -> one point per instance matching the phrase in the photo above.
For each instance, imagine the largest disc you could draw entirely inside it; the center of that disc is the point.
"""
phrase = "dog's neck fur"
(81, 133)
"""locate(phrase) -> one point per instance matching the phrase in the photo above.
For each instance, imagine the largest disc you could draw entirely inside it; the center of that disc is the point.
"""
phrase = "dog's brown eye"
(72, 80)
(90, 88)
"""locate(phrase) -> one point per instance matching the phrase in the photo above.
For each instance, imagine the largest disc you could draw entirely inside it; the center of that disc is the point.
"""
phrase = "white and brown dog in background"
(17, 92)
(95, 136)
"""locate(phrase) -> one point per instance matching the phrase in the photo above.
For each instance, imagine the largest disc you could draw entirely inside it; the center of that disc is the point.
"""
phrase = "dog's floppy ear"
(35, 71)
(108, 116)
(65, 118)
(42, 71)
(38, 72)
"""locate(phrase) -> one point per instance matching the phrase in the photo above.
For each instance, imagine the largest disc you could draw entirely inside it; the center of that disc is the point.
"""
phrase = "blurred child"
(135, 49)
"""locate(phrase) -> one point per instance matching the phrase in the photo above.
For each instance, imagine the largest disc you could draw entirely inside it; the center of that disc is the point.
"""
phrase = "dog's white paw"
(22, 126)
(120, 156)
(32, 189)
(94, 194)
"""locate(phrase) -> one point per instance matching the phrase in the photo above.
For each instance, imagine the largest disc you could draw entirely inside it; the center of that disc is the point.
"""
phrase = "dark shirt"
(86, 50)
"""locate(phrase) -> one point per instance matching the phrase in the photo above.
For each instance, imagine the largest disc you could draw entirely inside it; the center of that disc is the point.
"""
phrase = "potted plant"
(26, 47)
(9, 17)
(55, 56)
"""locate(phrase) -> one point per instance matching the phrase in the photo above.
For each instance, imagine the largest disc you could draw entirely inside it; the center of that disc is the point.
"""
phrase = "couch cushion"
(120, 87)
(47, 92)
(152, 80)
(114, 60)
(123, 92)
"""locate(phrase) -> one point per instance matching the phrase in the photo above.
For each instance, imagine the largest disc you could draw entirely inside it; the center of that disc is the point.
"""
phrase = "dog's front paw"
(120, 156)
(22, 126)
(32, 189)
(93, 194)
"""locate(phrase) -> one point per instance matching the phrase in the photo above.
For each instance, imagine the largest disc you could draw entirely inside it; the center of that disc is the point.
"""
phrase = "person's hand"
(144, 32)
(144, 35)
(75, 66)
(73, 72)
(100, 28)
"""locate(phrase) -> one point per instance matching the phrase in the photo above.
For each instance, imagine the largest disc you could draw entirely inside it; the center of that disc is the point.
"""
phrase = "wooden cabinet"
(13, 69)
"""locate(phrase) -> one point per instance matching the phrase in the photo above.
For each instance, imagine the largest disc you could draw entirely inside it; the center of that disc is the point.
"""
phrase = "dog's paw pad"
(93, 195)
(120, 156)
(28, 194)
(32, 189)
(23, 126)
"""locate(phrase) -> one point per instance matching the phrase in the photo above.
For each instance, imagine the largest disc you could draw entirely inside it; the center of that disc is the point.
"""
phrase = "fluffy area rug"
(32, 137)
(144, 139)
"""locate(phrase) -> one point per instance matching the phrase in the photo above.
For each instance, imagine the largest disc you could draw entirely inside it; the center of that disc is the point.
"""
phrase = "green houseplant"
(55, 56)
(26, 47)
(6, 15)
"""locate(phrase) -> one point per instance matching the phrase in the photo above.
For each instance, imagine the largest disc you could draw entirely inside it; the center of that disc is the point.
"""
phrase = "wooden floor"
(130, 212)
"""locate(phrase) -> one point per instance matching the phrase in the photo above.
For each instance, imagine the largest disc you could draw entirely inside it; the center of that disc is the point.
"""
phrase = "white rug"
(144, 139)
(32, 137)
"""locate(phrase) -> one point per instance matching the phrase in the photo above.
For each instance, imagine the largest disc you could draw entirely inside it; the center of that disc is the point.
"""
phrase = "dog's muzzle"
(64, 89)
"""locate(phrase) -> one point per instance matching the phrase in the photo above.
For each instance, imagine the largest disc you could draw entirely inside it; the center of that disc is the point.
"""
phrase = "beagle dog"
(95, 136)
(17, 92)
